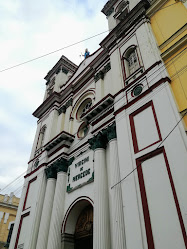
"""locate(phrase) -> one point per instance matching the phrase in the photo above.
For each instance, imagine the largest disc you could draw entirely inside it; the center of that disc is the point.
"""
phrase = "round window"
(137, 90)
(83, 130)
(83, 108)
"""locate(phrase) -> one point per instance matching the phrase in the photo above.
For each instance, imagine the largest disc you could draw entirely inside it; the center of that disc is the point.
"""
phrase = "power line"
(167, 6)
(156, 149)
(164, 66)
(176, 58)
(73, 44)
(20, 188)
(17, 178)
(41, 56)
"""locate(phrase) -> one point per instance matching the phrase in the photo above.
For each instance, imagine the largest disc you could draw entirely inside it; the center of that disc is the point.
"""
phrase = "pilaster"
(115, 201)
(101, 205)
(47, 209)
(54, 238)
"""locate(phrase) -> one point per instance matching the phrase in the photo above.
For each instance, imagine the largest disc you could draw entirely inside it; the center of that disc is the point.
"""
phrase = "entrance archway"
(84, 229)
(77, 226)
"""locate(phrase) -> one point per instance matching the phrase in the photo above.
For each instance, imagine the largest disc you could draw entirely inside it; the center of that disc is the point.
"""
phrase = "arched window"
(122, 10)
(83, 108)
(41, 137)
(131, 61)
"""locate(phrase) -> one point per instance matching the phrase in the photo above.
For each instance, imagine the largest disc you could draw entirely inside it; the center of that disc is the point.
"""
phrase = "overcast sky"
(28, 29)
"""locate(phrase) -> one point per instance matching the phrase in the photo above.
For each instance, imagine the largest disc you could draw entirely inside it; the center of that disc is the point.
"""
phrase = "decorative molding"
(51, 172)
(148, 91)
(133, 129)
(133, 18)
(101, 73)
(59, 139)
(174, 36)
(174, 48)
(122, 10)
(98, 142)
(155, 6)
(61, 165)
(91, 178)
(66, 64)
(63, 108)
(64, 70)
(98, 108)
(111, 132)
(71, 160)
(108, 8)
(183, 112)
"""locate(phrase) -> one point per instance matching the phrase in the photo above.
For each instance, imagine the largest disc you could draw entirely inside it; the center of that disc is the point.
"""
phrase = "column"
(117, 225)
(101, 206)
(54, 239)
(47, 209)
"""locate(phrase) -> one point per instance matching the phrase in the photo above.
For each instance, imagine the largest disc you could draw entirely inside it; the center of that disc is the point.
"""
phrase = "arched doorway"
(77, 226)
(84, 229)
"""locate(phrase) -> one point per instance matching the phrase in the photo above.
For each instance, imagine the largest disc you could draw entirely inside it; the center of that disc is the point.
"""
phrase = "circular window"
(83, 130)
(137, 90)
(84, 107)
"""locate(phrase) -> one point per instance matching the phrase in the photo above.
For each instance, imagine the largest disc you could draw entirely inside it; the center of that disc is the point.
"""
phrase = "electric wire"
(73, 44)
(17, 178)
(116, 102)
(176, 57)
(20, 188)
(151, 152)
(167, 6)
(52, 52)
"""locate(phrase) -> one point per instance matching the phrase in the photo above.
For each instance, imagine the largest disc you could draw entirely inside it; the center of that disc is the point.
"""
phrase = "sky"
(29, 29)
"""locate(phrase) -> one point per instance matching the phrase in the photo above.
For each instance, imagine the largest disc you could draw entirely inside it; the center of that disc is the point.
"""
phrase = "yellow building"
(169, 23)
(8, 211)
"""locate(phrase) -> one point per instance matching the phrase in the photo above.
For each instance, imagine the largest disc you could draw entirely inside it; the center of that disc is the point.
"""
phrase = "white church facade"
(108, 166)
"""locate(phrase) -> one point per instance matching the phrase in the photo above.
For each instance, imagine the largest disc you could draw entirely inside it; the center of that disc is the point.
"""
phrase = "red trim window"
(83, 108)
(41, 137)
(131, 61)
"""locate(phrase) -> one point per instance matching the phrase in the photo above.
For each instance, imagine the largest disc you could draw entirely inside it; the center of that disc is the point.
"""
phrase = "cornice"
(53, 98)
(11, 206)
(98, 142)
(107, 9)
(174, 48)
(63, 62)
(99, 107)
(155, 6)
(132, 18)
(72, 88)
(174, 36)
(59, 140)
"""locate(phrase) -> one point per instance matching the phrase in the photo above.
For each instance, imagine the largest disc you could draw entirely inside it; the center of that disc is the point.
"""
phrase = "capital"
(111, 132)
(70, 161)
(61, 165)
(98, 142)
(51, 172)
